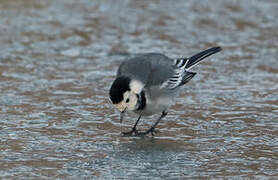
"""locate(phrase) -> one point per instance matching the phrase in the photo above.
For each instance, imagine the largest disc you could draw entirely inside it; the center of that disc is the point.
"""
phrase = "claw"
(151, 130)
(131, 132)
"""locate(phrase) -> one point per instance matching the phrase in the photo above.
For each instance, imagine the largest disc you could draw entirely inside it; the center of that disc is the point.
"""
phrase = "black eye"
(127, 100)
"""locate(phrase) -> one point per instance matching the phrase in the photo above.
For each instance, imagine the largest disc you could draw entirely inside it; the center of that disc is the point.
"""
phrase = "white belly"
(157, 106)
(158, 101)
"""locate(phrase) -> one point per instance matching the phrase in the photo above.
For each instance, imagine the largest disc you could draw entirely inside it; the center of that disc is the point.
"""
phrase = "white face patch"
(136, 86)
(129, 102)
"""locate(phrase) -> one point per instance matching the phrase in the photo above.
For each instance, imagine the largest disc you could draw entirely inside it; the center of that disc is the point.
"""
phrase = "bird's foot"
(131, 132)
(151, 130)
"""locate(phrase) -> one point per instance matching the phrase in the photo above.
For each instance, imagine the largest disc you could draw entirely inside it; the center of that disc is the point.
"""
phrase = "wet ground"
(57, 61)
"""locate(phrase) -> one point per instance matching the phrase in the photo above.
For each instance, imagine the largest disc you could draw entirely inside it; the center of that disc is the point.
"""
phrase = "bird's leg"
(152, 129)
(133, 130)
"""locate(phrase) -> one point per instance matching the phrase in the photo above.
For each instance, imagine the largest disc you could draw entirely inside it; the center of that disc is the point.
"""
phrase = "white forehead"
(136, 86)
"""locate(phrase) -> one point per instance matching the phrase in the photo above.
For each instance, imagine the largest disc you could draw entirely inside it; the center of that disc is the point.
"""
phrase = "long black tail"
(193, 60)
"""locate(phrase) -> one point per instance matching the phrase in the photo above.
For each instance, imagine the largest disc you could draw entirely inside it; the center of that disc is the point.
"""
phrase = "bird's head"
(125, 94)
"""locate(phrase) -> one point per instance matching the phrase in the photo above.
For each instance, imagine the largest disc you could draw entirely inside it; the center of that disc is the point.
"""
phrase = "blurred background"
(58, 60)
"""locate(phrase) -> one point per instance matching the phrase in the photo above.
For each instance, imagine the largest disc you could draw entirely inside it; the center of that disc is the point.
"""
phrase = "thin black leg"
(152, 129)
(133, 130)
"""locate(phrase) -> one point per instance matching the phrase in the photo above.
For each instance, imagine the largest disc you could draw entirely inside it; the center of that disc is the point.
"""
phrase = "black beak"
(122, 116)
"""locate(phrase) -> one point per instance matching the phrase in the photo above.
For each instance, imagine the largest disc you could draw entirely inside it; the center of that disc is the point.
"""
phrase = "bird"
(148, 84)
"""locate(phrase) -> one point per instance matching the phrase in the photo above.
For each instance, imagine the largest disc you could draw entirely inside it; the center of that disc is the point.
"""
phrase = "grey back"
(152, 68)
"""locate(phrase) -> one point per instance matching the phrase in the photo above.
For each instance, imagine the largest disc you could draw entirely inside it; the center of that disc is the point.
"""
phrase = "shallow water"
(57, 62)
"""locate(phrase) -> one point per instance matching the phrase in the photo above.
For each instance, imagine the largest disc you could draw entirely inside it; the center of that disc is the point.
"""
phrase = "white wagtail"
(148, 84)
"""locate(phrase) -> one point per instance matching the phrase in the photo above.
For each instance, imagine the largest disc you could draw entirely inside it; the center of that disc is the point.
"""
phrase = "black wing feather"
(181, 66)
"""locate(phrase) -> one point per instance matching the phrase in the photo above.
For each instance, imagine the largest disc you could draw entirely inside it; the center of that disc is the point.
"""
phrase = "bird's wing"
(180, 76)
(181, 68)
(155, 69)
(161, 69)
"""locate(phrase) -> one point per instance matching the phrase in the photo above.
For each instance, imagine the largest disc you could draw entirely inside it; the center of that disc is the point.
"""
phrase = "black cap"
(118, 88)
